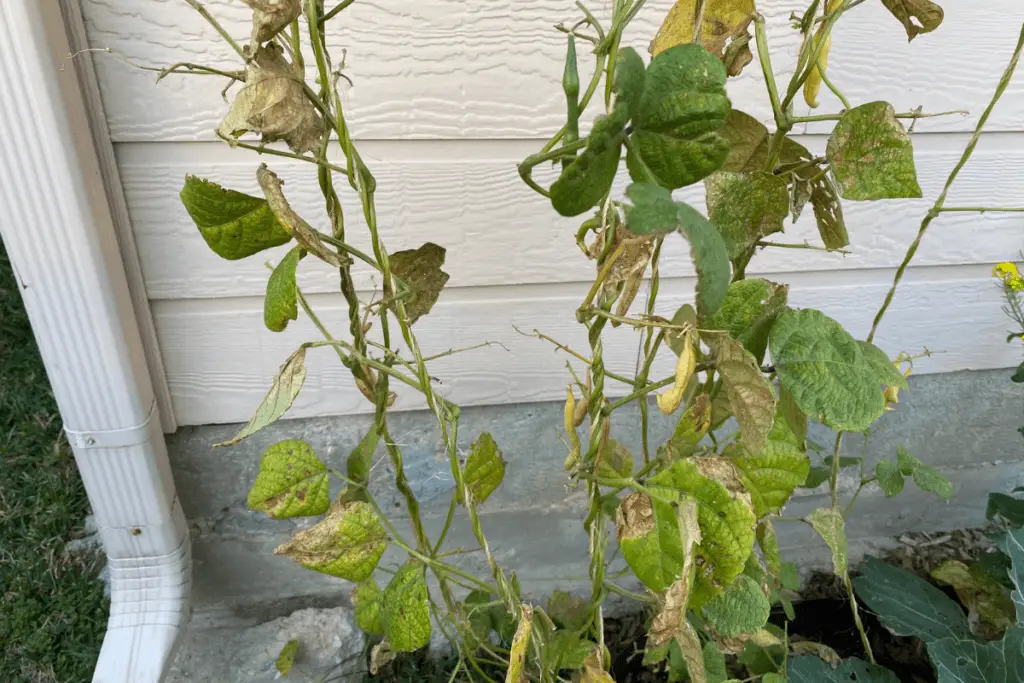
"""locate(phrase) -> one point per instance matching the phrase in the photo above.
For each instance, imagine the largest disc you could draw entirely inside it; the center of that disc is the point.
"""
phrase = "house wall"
(448, 96)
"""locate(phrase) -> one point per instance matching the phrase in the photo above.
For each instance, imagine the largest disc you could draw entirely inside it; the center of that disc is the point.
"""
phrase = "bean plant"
(694, 517)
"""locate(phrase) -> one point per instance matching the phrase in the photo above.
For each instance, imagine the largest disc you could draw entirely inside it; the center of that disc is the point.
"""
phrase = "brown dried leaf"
(270, 16)
(823, 652)
(917, 16)
(298, 228)
(671, 622)
(635, 516)
(274, 104)
(724, 30)
(381, 656)
(520, 642)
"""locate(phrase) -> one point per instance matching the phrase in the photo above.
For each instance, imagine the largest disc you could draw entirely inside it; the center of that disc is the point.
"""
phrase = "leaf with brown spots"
(724, 30)
(347, 543)
(269, 17)
(917, 16)
(292, 482)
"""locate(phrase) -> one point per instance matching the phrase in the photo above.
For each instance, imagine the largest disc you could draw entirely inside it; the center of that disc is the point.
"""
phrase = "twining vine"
(694, 518)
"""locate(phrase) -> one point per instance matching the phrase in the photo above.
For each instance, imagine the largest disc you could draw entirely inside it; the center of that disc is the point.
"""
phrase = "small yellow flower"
(1004, 269)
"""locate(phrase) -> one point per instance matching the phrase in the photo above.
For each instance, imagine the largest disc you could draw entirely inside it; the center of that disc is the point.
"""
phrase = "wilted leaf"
(420, 270)
(742, 608)
(589, 177)
(270, 16)
(286, 659)
(814, 670)
(683, 106)
(724, 26)
(593, 670)
(829, 524)
(273, 103)
(746, 207)
(281, 302)
(520, 642)
(824, 370)
(908, 605)
(917, 16)
(822, 652)
(982, 596)
(406, 609)
(670, 621)
(751, 397)
(889, 478)
(748, 313)
(616, 461)
(750, 141)
(485, 468)
(691, 428)
(367, 598)
(380, 656)
(292, 482)
(347, 543)
(307, 237)
(872, 156)
(693, 654)
(279, 399)
(828, 211)
(234, 225)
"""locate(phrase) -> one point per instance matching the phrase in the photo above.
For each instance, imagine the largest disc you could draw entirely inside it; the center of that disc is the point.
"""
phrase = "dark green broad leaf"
(825, 371)
(1009, 508)
(652, 212)
(890, 479)
(917, 16)
(968, 661)
(234, 225)
(746, 207)
(872, 156)
(420, 270)
(748, 313)
(1013, 545)
(883, 367)
(808, 669)
(292, 482)
(908, 605)
(281, 302)
(675, 129)
(588, 179)
(628, 85)
(742, 608)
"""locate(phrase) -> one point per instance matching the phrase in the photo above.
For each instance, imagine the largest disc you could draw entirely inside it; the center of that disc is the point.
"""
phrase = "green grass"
(52, 610)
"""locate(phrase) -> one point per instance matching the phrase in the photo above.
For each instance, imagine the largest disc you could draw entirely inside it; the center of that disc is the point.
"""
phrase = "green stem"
(904, 115)
(763, 57)
(263, 149)
(335, 11)
(980, 209)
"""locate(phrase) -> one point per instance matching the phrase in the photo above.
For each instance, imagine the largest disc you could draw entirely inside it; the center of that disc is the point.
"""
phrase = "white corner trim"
(59, 233)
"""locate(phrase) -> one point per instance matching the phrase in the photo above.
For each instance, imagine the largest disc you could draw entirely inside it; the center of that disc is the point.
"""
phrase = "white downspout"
(56, 225)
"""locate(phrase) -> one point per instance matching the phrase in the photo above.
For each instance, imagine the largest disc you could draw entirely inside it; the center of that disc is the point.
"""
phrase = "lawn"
(52, 609)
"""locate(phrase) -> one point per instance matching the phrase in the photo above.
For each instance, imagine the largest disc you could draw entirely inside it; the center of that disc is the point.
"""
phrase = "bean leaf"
(292, 482)
(485, 468)
(234, 225)
(589, 177)
(772, 475)
(889, 478)
(917, 16)
(279, 399)
(347, 543)
(746, 207)
(872, 156)
(808, 669)
(281, 302)
(829, 524)
(270, 16)
(751, 397)
(724, 30)
(748, 312)
(420, 271)
(406, 609)
(369, 609)
(286, 659)
(742, 608)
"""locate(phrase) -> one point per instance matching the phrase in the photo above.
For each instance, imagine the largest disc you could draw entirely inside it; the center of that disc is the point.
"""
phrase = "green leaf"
(885, 372)
(824, 369)
(358, 464)
(692, 427)
(790, 576)
(368, 601)
(983, 596)
(968, 661)
(1013, 545)
(234, 225)
(794, 419)
(872, 156)
(485, 468)
(748, 312)
(685, 316)
(917, 16)
(996, 565)
(286, 659)
(616, 461)
(769, 544)
(567, 651)
(714, 663)
(567, 611)
(828, 212)
(770, 477)
(347, 543)
(279, 399)
(751, 397)
(479, 615)
(281, 302)
(829, 524)
(742, 608)
(406, 610)
(808, 669)
(746, 207)
(683, 106)
(585, 182)
(889, 478)
(907, 463)
(930, 480)
(630, 76)
(420, 270)
(1009, 508)
(292, 482)
(654, 213)
(908, 605)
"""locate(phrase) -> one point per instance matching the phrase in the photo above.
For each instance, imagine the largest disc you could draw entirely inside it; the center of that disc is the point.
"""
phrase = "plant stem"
(936, 209)
(263, 149)
(813, 247)
(335, 11)
(980, 209)
(904, 115)
(766, 69)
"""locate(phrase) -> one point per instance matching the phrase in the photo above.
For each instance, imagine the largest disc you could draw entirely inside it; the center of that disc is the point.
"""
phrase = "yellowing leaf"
(724, 26)
(420, 270)
(751, 397)
(829, 524)
(406, 609)
(286, 659)
(670, 622)
(593, 670)
(368, 601)
(520, 642)
(307, 237)
(822, 652)
(981, 594)
(234, 225)
(485, 468)
(616, 461)
(281, 302)
(381, 656)
(872, 156)
(917, 16)
(292, 482)
(274, 104)
(270, 16)
(347, 543)
(279, 399)
(691, 428)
